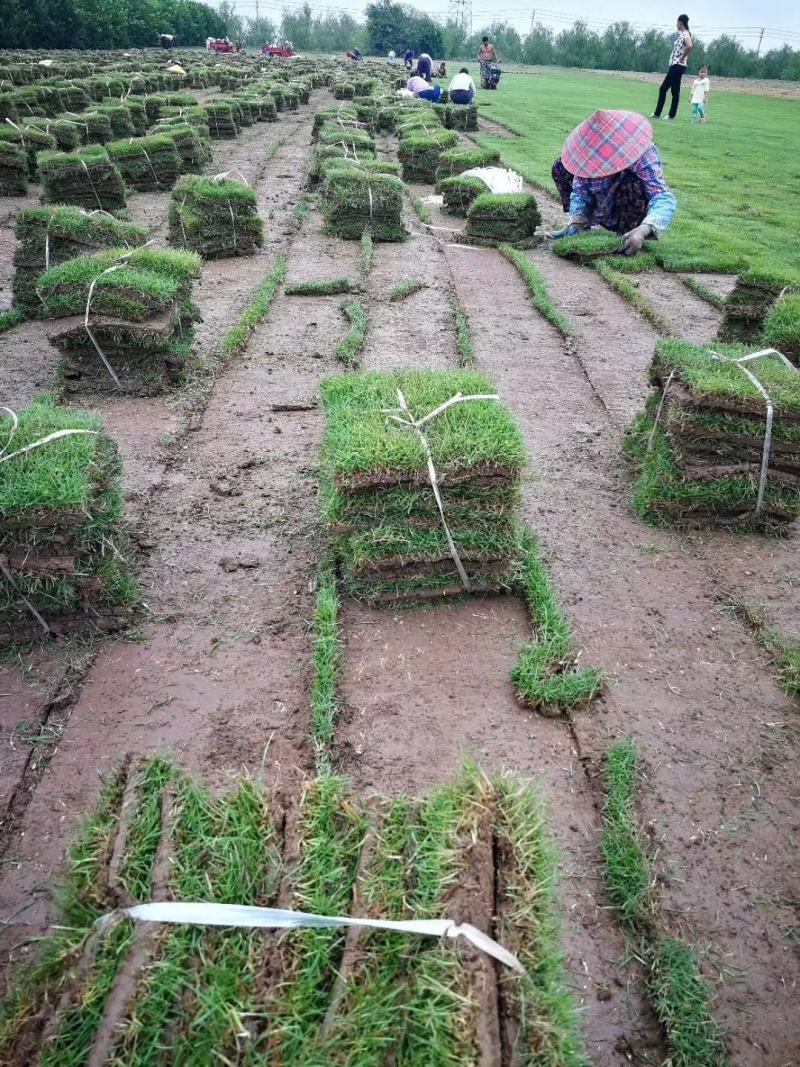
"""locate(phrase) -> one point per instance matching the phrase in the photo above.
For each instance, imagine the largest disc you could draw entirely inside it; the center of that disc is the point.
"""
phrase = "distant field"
(737, 178)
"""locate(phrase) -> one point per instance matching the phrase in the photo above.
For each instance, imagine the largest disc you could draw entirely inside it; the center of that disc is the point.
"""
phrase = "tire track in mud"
(218, 674)
(687, 681)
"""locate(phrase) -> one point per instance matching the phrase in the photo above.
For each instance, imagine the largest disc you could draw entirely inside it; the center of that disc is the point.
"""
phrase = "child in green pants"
(700, 89)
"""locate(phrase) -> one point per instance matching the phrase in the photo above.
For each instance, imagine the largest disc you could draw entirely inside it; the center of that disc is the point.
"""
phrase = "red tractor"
(281, 51)
(220, 45)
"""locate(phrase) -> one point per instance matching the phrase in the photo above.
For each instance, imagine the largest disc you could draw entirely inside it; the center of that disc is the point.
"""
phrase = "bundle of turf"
(140, 316)
(192, 146)
(457, 160)
(782, 326)
(13, 169)
(377, 498)
(221, 124)
(64, 131)
(120, 119)
(30, 138)
(502, 218)
(94, 127)
(459, 192)
(342, 152)
(60, 515)
(48, 236)
(354, 201)
(215, 217)
(747, 304)
(87, 178)
(701, 462)
(344, 116)
(138, 115)
(460, 116)
(343, 90)
(147, 164)
(586, 247)
(8, 107)
(419, 154)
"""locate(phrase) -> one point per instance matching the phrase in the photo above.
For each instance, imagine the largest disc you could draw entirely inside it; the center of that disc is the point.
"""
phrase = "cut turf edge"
(546, 676)
(629, 292)
(537, 289)
(325, 673)
(349, 348)
(680, 995)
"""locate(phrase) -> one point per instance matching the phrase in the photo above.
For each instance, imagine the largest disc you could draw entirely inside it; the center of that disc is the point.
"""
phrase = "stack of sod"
(460, 116)
(703, 461)
(87, 178)
(459, 192)
(48, 236)
(120, 119)
(192, 145)
(419, 154)
(746, 306)
(216, 217)
(33, 140)
(147, 164)
(64, 131)
(94, 127)
(376, 493)
(221, 124)
(138, 115)
(345, 115)
(457, 160)
(60, 512)
(141, 316)
(354, 201)
(782, 326)
(502, 218)
(13, 169)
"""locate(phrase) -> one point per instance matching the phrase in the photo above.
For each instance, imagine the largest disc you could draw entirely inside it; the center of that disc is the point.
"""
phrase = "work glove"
(634, 239)
(566, 231)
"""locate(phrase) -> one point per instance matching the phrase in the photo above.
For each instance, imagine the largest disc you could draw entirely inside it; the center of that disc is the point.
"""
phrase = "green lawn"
(737, 178)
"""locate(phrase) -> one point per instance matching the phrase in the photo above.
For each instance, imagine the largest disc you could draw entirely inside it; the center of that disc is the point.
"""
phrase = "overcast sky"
(739, 18)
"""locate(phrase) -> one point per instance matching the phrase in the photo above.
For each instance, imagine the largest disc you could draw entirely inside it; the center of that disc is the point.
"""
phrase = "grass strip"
(549, 1033)
(331, 833)
(422, 211)
(464, 345)
(546, 675)
(349, 348)
(537, 288)
(12, 317)
(145, 829)
(366, 252)
(703, 291)
(681, 997)
(256, 311)
(325, 670)
(327, 287)
(785, 656)
(303, 207)
(629, 291)
(407, 287)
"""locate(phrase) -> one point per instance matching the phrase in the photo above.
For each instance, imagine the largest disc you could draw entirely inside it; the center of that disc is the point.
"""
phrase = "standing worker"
(487, 55)
(610, 174)
(681, 50)
(462, 88)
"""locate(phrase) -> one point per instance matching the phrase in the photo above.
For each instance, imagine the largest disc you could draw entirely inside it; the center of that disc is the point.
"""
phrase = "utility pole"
(460, 12)
(760, 39)
(533, 20)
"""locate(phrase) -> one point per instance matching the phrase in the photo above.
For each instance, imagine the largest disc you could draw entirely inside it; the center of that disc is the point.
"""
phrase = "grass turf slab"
(146, 164)
(215, 217)
(363, 448)
(87, 178)
(782, 326)
(459, 192)
(354, 203)
(502, 218)
(331, 999)
(456, 160)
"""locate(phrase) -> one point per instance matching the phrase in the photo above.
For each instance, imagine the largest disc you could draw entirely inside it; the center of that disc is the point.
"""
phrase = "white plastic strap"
(408, 420)
(109, 270)
(251, 917)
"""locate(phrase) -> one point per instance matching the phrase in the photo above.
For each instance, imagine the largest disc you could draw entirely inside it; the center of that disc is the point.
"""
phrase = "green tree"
(539, 46)
(579, 47)
(619, 47)
(399, 26)
(232, 21)
(297, 27)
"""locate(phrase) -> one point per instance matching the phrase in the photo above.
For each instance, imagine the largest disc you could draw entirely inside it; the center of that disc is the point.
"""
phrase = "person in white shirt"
(462, 88)
(700, 90)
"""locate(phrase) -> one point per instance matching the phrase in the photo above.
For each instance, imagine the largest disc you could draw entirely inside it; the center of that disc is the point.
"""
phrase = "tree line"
(105, 23)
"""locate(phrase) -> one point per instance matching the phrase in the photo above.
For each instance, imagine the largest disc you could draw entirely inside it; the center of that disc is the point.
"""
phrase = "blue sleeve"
(581, 201)
(661, 201)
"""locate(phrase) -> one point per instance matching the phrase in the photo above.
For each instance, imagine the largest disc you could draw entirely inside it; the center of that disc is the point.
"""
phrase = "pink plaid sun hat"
(606, 143)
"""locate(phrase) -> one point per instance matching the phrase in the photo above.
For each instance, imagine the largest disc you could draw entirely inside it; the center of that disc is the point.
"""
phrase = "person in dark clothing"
(424, 67)
(408, 58)
(681, 50)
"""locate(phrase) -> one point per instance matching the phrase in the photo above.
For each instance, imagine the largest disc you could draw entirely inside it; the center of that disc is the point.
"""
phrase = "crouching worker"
(462, 88)
(419, 87)
(610, 174)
